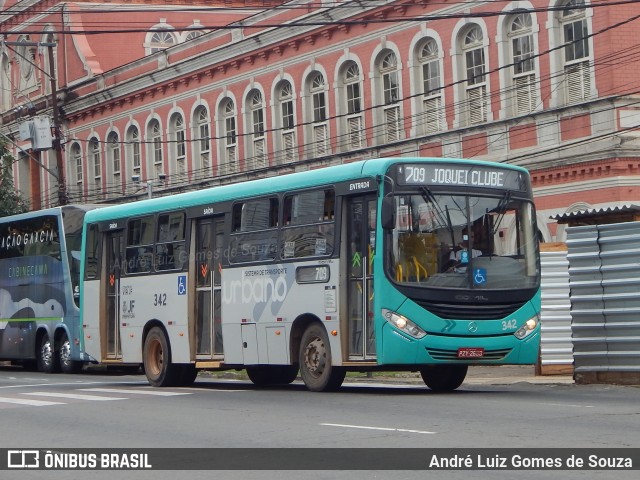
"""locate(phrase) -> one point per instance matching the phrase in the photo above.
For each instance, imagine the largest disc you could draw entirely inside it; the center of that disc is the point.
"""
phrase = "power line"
(308, 22)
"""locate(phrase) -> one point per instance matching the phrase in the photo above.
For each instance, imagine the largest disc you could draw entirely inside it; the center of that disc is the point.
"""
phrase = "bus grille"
(452, 355)
(471, 312)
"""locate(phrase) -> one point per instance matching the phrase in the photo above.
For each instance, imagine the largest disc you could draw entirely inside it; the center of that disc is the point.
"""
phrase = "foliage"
(11, 201)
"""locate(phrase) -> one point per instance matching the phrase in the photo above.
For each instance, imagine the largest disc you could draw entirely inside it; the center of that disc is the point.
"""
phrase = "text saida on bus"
(404, 264)
(39, 289)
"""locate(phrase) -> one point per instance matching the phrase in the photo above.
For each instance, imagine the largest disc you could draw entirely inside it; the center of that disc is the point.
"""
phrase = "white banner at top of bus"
(461, 175)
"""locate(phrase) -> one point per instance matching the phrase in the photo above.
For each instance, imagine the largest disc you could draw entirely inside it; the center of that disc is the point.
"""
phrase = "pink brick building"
(193, 93)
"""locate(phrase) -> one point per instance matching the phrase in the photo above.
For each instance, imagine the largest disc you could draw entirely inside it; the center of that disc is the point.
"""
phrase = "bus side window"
(91, 255)
(170, 247)
(309, 224)
(254, 230)
(139, 251)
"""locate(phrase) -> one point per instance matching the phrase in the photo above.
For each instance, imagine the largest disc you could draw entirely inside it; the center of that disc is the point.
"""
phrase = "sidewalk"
(477, 375)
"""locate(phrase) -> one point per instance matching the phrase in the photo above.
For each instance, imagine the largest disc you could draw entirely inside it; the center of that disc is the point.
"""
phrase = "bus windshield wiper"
(429, 198)
(443, 218)
(502, 210)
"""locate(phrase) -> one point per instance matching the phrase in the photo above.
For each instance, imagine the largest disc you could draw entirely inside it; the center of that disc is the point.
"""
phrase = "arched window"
(388, 72)
(286, 136)
(75, 166)
(229, 142)
(319, 127)
(133, 150)
(431, 86)
(524, 97)
(95, 164)
(475, 69)
(26, 57)
(161, 39)
(154, 139)
(113, 157)
(257, 141)
(353, 121)
(177, 136)
(202, 143)
(575, 38)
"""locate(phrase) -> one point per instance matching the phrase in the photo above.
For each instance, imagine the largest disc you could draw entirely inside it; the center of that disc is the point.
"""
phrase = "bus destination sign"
(460, 175)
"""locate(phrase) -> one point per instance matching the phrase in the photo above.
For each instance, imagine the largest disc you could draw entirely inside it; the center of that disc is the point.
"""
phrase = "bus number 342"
(160, 300)
(509, 324)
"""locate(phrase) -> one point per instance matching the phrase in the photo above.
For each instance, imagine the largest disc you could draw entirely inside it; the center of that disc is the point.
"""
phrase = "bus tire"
(443, 378)
(48, 361)
(272, 374)
(156, 356)
(64, 353)
(316, 370)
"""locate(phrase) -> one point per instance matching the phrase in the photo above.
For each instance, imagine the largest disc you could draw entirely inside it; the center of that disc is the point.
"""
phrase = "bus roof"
(47, 211)
(266, 186)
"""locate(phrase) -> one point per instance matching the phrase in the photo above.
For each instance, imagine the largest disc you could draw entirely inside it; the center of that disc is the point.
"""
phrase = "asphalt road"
(103, 410)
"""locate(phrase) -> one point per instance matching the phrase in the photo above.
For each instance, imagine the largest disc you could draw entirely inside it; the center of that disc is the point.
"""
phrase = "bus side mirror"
(388, 217)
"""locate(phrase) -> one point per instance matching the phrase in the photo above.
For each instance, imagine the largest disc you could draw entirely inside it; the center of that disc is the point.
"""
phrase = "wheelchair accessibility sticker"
(182, 285)
(479, 276)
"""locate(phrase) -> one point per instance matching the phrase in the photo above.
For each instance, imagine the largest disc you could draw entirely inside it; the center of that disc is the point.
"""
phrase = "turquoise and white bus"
(413, 264)
(40, 289)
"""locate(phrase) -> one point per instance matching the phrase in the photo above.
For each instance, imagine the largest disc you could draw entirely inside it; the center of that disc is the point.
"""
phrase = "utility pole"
(57, 141)
(57, 144)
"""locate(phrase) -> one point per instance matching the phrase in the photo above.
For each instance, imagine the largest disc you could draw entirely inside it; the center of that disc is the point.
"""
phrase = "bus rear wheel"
(316, 370)
(48, 361)
(157, 360)
(64, 353)
(272, 374)
(443, 378)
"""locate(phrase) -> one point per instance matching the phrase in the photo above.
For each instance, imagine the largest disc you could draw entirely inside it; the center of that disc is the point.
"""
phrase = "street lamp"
(149, 183)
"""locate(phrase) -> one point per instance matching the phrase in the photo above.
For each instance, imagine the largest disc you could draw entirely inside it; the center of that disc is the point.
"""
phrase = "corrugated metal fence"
(556, 350)
(604, 279)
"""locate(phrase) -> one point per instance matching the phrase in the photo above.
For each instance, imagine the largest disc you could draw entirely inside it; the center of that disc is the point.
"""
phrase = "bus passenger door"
(114, 251)
(360, 239)
(208, 264)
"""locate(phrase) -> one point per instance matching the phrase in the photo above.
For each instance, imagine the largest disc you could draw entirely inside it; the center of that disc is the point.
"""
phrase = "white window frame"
(319, 121)
(114, 159)
(287, 123)
(202, 143)
(229, 137)
(524, 87)
(476, 104)
(154, 134)
(353, 122)
(257, 139)
(430, 74)
(390, 85)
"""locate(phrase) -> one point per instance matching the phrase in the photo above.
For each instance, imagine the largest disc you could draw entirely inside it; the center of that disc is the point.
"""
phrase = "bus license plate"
(470, 352)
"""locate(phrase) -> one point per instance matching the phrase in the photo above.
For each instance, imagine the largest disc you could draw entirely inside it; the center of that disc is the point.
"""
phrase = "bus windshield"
(462, 241)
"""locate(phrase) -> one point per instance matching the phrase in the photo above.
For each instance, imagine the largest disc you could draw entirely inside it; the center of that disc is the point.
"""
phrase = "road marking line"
(61, 384)
(403, 430)
(160, 393)
(26, 401)
(566, 405)
(74, 396)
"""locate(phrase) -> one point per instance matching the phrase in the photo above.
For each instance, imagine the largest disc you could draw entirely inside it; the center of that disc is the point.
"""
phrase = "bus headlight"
(403, 324)
(525, 330)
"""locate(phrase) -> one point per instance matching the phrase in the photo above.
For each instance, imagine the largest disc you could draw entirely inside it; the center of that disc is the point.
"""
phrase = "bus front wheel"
(157, 360)
(66, 364)
(316, 370)
(443, 378)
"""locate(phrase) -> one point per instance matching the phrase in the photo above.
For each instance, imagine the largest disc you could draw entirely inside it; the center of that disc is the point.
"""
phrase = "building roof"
(593, 213)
